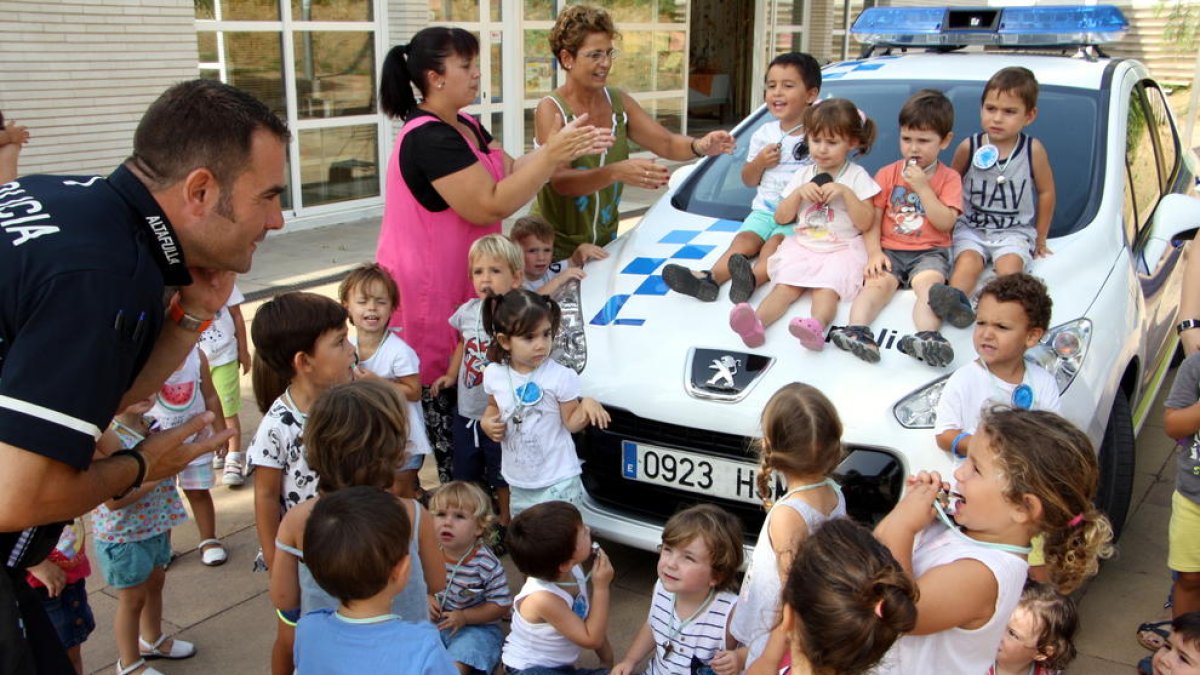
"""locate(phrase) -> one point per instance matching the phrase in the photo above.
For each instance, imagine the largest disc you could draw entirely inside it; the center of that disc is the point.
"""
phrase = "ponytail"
(396, 98)
(487, 314)
(763, 479)
(1073, 551)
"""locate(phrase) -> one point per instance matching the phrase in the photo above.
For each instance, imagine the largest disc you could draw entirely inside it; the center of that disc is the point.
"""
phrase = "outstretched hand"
(166, 454)
(578, 138)
(716, 143)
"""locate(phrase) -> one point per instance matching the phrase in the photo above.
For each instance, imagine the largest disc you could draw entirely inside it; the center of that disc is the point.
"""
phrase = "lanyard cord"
(450, 580)
(676, 631)
(1007, 548)
(811, 486)
(519, 405)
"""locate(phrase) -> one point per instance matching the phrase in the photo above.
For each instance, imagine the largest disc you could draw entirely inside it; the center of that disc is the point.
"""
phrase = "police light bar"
(1050, 26)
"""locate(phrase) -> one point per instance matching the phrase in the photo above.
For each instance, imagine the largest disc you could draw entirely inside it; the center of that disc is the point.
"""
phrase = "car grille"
(871, 478)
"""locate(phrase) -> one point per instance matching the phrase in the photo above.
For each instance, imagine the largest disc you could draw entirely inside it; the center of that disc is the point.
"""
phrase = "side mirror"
(1176, 217)
(681, 174)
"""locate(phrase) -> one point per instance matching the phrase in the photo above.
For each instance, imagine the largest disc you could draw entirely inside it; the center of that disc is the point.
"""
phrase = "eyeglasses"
(598, 55)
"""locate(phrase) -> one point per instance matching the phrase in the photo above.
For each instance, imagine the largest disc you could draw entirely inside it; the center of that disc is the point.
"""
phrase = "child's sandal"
(133, 668)
(214, 555)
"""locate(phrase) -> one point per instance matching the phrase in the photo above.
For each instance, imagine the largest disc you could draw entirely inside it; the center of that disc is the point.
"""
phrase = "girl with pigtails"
(1034, 472)
(800, 447)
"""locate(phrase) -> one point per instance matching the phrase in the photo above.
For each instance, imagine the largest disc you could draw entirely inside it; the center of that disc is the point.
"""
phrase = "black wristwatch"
(141, 474)
(1187, 324)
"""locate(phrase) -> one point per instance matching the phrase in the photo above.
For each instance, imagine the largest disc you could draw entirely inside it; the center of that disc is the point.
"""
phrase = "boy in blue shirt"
(356, 546)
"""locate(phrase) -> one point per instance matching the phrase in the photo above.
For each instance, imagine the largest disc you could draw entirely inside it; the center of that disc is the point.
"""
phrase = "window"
(1141, 162)
(313, 62)
(1160, 119)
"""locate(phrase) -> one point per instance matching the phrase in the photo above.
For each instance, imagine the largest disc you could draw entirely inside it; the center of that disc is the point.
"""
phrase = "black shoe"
(951, 305)
(858, 340)
(681, 280)
(741, 279)
(928, 346)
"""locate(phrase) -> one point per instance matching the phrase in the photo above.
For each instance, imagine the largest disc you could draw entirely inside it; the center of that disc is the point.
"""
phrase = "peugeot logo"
(722, 375)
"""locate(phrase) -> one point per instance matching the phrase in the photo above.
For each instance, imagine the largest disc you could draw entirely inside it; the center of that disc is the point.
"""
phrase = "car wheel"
(1116, 464)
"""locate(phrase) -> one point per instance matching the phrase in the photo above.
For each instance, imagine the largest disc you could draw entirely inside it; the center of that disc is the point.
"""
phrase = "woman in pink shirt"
(448, 183)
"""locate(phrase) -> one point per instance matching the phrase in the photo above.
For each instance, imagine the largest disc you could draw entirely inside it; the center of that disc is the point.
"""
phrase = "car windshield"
(1066, 124)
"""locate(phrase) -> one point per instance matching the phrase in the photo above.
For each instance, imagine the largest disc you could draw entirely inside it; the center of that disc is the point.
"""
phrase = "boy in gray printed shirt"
(1182, 422)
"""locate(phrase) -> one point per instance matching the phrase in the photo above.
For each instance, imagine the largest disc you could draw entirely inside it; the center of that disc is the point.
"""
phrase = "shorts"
(130, 564)
(994, 244)
(413, 463)
(477, 646)
(198, 475)
(226, 379)
(566, 490)
(1183, 544)
(70, 613)
(763, 224)
(476, 457)
(908, 264)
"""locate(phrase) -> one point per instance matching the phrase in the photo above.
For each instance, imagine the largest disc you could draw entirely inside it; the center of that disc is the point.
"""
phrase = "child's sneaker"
(741, 278)
(809, 332)
(746, 323)
(858, 340)
(682, 280)
(928, 346)
(951, 305)
(218, 462)
(233, 476)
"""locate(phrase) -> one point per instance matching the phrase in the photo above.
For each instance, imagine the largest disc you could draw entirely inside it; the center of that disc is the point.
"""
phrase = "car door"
(1152, 170)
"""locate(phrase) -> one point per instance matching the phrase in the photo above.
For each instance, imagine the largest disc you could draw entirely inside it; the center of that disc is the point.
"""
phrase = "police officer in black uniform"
(105, 285)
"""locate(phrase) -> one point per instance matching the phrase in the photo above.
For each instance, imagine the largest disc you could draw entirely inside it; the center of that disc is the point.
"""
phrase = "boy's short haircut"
(364, 275)
(542, 538)
(810, 70)
(356, 434)
(1025, 289)
(532, 226)
(928, 110)
(721, 532)
(499, 247)
(1188, 627)
(1015, 80)
(353, 540)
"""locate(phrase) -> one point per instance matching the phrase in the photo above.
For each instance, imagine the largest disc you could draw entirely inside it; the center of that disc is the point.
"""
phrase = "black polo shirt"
(83, 265)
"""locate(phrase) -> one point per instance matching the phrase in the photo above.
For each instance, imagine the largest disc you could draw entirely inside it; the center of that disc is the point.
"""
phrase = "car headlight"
(570, 344)
(918, 410)
(1062, 350)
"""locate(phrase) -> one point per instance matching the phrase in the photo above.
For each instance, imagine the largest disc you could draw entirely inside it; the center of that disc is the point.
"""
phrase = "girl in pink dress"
(830, 203)
(448, 183)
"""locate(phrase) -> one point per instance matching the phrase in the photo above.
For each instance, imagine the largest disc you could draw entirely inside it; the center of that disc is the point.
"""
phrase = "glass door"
(782, 26)
(485, 19)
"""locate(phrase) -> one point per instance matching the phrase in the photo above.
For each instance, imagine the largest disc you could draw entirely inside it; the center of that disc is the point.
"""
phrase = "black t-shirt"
(84, 261)
(436, 150)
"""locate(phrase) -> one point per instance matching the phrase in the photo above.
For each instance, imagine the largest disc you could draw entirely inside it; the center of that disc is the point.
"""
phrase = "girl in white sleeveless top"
(1031, 472)
(801, 446)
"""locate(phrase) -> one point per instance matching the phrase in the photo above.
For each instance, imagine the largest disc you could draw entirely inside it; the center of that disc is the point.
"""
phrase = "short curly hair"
(1025, 289)
(575, 24)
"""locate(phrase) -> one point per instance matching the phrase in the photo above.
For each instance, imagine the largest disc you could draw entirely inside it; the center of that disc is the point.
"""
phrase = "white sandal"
(212, 556)
(133, 668)
(180, 649)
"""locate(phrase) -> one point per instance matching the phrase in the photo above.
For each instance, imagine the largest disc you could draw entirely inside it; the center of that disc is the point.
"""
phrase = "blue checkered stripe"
(839, 70)
(644, 275)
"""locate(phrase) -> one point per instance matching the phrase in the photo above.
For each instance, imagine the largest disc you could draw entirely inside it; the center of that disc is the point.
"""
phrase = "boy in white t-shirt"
(370, 295)
(225, 346)
(777, 149)
(534, 235)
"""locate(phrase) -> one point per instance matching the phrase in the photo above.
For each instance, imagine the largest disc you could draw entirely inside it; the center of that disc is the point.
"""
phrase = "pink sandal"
(745, 323)
(809, 332)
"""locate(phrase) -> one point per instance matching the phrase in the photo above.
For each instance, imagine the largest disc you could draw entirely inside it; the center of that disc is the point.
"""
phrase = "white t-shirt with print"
(277, 445)
(972, 387)
(468, 321)
(828, 227)
(392, 360)
(538, 451)
(774, 179)
(219, 340)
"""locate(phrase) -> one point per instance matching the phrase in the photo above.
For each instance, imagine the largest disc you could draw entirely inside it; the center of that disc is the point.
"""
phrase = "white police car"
(686, 394)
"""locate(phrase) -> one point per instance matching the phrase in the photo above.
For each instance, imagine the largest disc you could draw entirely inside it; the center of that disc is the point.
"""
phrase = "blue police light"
(1051, 26)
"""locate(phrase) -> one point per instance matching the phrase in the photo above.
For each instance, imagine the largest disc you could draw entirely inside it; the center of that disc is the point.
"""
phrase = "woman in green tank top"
(581, 199)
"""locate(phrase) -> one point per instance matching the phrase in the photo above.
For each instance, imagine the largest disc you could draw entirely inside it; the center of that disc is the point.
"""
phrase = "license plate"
(690, 471)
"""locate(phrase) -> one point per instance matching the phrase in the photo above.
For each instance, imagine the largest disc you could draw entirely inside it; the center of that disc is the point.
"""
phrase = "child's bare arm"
(431, 555)
(1043, 178)
(961, 594)
(114, 504)
(285, 568)
(239, 333)
(768, 662)
(639, 649)
(589, 634)
(569, 274)
(787, 530)
(586, 252)
(577, 415)
(752, 171)
(946, 439)
(862, 213)
(409, 386)
(1182, 422)
(212, 400)
(267, 486)
(492, 425)
(962, 157)
(450, 379)
(789, 208)
(877, 262)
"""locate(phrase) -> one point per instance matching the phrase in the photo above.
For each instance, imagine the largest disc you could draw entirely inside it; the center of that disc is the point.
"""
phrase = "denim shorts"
(128, 565)
(476, 646)
(70, 613)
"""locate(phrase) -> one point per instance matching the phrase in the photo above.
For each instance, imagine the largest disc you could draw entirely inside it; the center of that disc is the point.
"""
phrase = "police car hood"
(641, 337)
